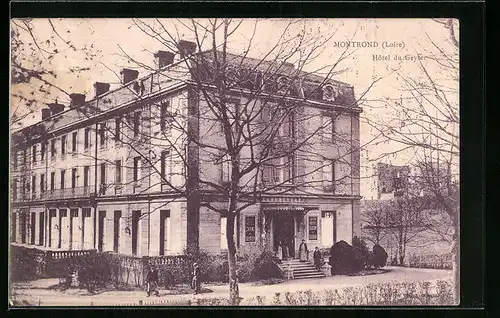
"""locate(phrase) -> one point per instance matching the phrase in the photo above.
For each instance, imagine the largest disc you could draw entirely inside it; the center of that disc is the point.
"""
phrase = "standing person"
(152, 281)
(286, 255)
(280, 251)
(317, 258)
(303, 251)
(195, 283)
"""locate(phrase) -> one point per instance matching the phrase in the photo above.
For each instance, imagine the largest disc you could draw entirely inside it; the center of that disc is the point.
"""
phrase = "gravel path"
(38, 292)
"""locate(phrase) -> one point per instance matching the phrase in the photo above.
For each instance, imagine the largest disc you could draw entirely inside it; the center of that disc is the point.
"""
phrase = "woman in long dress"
(280, 251)
(303, 251)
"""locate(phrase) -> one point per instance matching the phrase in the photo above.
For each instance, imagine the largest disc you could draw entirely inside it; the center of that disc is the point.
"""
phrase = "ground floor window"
(136, 215)
(116, 231)
(250, 229)
(164, 231)
(13, 227)
(313, 228)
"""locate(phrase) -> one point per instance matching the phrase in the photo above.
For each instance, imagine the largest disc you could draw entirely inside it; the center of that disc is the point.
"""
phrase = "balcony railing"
(77, 192)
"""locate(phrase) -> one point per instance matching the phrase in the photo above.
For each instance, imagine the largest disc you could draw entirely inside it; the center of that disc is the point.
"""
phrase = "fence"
(32, 263)
(444, 261)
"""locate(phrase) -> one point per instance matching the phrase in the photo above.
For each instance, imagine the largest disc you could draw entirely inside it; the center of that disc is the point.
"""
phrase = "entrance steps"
(301, 270)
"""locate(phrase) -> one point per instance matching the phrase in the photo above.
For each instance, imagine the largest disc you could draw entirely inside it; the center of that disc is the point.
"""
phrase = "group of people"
(283, 253)
(152, 280)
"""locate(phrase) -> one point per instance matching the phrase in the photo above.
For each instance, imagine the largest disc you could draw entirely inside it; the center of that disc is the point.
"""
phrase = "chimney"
(45, 113)
(77, 99)
(100, 88)
(163, 58)
(186, 48)
(55, 108)
(128, 75)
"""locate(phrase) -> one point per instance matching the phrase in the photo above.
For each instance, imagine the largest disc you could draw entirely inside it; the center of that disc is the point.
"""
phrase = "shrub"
(204, 260)
(218, 270)
(245, 267)
(378, 257)
(342, 258)
(265, 266)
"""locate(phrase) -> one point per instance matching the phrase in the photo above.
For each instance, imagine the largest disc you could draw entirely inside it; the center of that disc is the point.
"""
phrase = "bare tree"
(246, 115)
(35, 45)
(426, 120)
(252, 120)
(374, 220)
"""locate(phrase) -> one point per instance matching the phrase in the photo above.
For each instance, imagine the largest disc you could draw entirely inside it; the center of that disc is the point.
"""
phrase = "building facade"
(111, 173)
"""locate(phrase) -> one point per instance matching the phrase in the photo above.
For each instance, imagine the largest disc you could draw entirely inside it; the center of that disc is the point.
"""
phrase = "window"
(63, 145)
(73, 178)
(86, 138)
(33, 184)
(136, 216)
(250, 229)
(328, 128)
(42, 151)
(23, 189)
(118, 171)
(137, 167)
(102, 134)
(74, 142)
(329, 175)
(116, 231)
(14, 159)
(328, 228)
(53, 148)
(137, 123)
(164, 117)
(86, 213)
(63, 175)
(52, 181)
(286, 128)
(117, 128)
(103, 173)
(42, 183)
(63, 213)
(164, 231)
(34, 154)
(313, 228)
(226, 169)
(86, 175)
(223, 237)
(165, 155)
(73, 213)
(283, 169)
(14, 188)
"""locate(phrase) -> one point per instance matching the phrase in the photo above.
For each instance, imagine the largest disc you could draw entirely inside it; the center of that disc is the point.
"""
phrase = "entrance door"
(284, 232)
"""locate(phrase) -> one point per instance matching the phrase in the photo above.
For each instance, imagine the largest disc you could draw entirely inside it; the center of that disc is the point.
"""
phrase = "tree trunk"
(234, 294)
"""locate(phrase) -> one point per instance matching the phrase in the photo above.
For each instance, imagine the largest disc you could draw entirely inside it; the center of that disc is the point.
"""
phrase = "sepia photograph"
(234, 162)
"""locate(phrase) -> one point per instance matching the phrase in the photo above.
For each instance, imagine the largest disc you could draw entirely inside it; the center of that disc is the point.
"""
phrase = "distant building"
(391, 180)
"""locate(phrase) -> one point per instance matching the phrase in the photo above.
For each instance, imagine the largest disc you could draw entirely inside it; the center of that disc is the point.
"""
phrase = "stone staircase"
(301, 270)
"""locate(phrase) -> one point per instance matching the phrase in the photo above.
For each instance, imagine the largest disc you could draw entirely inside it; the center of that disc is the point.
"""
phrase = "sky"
(111, 39)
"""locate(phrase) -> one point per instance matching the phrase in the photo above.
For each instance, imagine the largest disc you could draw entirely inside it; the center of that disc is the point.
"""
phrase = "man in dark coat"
(318, 262)
(195, 283)
(152, 281)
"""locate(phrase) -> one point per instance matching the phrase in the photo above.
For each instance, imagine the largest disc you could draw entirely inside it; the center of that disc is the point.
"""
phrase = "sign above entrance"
(288, 208)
